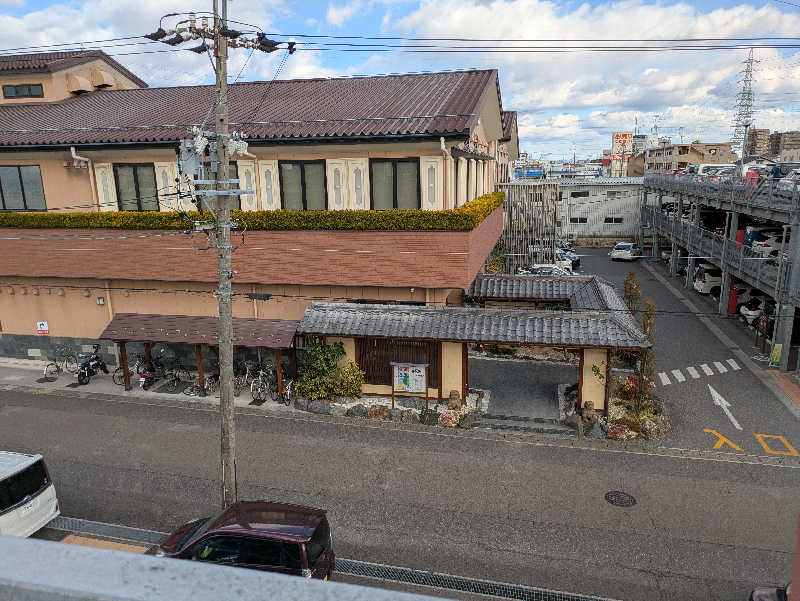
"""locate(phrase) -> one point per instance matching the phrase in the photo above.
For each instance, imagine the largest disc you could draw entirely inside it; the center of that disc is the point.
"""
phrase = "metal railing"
(732, 194)
(737, 259)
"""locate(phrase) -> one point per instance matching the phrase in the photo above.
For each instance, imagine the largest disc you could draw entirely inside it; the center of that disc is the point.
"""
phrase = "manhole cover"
(620, 499)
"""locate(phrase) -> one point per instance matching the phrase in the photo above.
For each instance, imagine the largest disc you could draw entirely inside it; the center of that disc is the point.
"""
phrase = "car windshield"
(623, 246)
(199, 530)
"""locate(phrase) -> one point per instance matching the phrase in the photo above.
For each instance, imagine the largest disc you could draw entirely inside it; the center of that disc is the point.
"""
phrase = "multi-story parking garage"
(708, 220)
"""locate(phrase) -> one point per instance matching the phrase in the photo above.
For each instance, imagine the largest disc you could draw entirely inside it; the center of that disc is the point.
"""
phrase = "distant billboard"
(621, 148)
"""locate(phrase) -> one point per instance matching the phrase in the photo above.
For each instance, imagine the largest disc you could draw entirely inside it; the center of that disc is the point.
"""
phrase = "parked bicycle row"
(164, 372)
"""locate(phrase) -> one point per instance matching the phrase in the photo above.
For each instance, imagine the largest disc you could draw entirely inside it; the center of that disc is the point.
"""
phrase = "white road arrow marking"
(720, 402)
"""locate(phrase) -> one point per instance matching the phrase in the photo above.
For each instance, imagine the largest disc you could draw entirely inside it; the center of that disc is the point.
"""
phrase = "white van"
(27, 496)
(707, 279)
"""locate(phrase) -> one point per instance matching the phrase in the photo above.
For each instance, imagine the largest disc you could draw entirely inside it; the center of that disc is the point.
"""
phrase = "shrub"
(464, 218)
(322, 377)
(348, 380)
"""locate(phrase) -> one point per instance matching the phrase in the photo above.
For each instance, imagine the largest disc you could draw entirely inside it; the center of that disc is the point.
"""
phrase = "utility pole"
(192, 165)
(225, 268)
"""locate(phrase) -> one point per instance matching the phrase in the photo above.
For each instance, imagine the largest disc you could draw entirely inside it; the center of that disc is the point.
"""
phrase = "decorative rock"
(409, 416)
(378, 412)
(356, 411)
(649, 430)
(320, 406)
(411, 402)
(338, 410)
(572, 420)
(395, 415)
(301, 403)
(468, 419)
(596, 431)
(449, 419)
(429, 417)
(589, 414)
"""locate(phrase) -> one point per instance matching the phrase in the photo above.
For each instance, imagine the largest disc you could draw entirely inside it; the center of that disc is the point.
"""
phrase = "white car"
(624, 251)
(708, 279)
(545, 269)
(765, 243)
(28, 499)
(787, 183)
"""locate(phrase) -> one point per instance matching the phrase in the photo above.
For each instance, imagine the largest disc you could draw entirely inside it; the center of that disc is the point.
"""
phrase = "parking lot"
(704, 368)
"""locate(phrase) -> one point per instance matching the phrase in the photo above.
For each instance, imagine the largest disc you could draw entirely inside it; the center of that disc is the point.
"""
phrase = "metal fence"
(530, 223)
(733, 194)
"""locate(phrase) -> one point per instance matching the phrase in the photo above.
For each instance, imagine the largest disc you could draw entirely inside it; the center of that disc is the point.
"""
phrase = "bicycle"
(65, 361)
(288, 396)
(211, 385)
(119, 374)
(175, 375)
(245, 376)
(263, 385)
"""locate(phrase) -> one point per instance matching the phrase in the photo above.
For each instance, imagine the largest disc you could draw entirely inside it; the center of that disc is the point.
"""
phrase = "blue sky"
(566, 102)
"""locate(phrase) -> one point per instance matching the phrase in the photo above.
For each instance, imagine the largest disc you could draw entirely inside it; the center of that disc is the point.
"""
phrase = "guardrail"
(733, 194)
(735, 258)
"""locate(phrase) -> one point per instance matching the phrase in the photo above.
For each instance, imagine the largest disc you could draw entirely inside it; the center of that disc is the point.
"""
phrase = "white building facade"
(606, 207)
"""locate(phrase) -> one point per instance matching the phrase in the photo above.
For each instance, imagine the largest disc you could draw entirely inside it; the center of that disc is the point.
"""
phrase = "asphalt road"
(682, 340)
(505, 510)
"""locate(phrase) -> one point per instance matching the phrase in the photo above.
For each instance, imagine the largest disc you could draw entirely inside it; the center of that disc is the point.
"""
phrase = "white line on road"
(707, 370)
(720, 367)
(733, 364)
(693, 372)
(664, 379)
(720, 401)
(678, 375)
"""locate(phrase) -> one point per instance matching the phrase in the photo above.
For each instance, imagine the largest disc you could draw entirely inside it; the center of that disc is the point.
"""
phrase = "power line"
(413, 39)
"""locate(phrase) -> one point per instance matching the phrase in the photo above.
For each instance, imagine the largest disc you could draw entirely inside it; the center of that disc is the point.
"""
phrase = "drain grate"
(620, 499)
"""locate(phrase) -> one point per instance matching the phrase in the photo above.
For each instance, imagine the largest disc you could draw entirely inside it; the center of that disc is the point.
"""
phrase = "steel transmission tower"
(743, 117)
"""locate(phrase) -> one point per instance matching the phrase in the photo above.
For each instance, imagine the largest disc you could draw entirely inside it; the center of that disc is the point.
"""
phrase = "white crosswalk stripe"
(720, 367)
(664, 379)
(733, 364)
(678, 375)
(693, 372)
(707, 370)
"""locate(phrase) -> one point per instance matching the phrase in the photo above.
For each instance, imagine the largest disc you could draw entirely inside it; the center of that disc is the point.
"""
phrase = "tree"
(643, 310)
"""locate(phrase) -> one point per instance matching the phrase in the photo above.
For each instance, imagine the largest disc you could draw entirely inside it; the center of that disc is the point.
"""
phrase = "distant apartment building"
(757, 142)
(780, 142)
(636, 165)
(639, 144)
(662, 159)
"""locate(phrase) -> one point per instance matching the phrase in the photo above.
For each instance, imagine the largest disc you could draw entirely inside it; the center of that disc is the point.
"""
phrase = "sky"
(566, 102)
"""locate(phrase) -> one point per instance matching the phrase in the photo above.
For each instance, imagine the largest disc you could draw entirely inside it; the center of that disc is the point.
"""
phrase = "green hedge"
(457, 220)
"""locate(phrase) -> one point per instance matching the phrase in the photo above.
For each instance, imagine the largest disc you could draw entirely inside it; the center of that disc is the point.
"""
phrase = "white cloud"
(339, 15)
(694, 90)
(12, 2)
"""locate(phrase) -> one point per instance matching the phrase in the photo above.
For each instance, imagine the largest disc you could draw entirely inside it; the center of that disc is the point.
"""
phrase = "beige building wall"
(452, 369)
(57, 86)
(593, 388)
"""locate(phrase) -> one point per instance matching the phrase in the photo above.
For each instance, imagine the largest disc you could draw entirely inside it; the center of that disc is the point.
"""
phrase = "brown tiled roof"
(426, 104)
(191, 329)
(50, 62)
(509, 124)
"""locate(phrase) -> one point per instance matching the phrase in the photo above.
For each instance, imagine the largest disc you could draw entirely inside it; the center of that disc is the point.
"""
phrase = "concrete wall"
(611, 200)
(593, 388)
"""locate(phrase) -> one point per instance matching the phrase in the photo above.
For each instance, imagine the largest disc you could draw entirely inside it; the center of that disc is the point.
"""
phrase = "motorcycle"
(147, 376)
(91, 365)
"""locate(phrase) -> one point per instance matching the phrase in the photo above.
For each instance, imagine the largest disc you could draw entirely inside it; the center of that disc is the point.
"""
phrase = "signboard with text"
(409, 377)
(42, 327)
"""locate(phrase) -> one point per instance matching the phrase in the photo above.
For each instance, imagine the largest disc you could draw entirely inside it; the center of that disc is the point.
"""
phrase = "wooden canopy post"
(148, 347)
(123, 356)
(201, 379)
(279, 369)
(293, 356)
(464, 384)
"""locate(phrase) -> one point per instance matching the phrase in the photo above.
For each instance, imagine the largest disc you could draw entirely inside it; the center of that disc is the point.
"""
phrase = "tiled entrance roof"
(411, 106)
(190, 329)
(463, 324)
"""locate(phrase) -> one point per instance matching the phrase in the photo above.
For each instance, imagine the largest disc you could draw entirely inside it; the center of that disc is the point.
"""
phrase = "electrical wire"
(268, 86)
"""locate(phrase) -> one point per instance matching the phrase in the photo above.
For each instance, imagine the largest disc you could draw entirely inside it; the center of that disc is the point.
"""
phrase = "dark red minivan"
(277, 537)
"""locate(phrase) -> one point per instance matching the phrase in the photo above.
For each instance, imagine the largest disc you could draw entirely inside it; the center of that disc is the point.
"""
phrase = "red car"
(276, 537)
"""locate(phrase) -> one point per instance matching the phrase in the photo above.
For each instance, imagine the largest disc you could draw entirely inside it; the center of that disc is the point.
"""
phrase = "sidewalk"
(24, 375)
